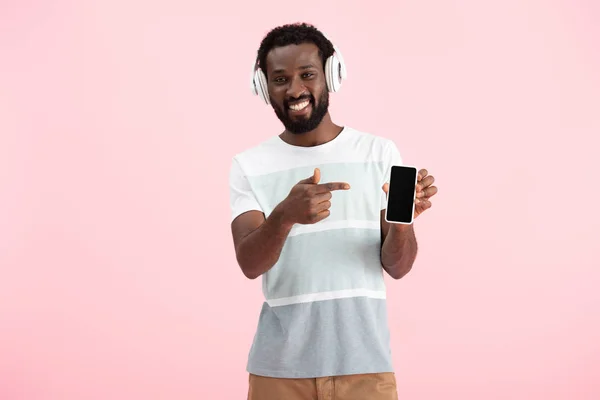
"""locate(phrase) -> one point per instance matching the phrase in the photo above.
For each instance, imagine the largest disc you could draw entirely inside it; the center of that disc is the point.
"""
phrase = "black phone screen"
(401, 194)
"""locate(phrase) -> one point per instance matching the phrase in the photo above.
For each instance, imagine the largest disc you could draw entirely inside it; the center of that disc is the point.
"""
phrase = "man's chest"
(362, 202)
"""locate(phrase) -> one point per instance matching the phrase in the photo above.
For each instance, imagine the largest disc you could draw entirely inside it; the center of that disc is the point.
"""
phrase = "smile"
(299, 106)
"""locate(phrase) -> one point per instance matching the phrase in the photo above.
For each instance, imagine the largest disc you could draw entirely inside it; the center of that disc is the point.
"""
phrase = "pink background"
(118, 121)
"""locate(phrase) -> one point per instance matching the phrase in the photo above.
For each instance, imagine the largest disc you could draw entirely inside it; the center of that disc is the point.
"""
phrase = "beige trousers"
(348, 387)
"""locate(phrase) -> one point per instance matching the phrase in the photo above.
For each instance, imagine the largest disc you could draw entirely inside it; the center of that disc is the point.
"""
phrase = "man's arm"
(258, 241)
(399, 248)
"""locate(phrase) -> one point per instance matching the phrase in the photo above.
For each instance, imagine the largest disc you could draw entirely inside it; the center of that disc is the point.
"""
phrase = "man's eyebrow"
(281, 70)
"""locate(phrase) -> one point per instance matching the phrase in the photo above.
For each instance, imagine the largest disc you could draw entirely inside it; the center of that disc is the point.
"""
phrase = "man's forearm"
(399, 250)
(260, 250)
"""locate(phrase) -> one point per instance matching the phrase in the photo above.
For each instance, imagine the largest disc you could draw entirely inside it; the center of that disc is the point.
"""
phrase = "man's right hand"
(309, 201)
(258, 240)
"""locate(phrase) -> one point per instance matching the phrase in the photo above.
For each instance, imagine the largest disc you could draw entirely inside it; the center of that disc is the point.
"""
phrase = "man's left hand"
(425, 191)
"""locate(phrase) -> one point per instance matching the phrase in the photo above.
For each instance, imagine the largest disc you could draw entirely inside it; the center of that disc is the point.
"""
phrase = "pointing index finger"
(331, 186)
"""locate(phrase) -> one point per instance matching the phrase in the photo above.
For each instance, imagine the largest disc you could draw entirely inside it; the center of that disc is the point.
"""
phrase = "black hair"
(296, 33)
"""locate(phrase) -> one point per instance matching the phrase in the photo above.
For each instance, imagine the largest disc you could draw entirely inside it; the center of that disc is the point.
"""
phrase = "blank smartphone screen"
(401, 194)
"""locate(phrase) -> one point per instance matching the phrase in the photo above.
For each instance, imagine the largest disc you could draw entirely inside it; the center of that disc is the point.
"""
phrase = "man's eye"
(308, 75)
(279, 80)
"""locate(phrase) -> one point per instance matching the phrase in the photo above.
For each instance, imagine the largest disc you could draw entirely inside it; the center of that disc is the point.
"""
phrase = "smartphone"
(402, 191)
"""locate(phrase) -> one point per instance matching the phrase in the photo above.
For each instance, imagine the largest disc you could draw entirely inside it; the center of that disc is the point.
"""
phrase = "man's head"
(292, 58)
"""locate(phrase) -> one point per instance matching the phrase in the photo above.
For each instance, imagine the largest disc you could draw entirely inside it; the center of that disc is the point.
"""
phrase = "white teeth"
(299, 106)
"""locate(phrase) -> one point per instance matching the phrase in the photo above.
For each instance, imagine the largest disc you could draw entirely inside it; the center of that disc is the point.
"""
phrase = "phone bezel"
(412, 215)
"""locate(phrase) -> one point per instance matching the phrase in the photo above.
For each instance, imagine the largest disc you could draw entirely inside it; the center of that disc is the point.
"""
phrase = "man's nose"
(296, 88)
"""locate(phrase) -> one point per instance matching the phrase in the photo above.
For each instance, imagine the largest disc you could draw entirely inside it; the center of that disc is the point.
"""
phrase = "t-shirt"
(325, 311)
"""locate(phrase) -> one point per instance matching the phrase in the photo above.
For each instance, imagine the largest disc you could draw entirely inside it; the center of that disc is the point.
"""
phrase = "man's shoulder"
(258, 150)
(373, 141)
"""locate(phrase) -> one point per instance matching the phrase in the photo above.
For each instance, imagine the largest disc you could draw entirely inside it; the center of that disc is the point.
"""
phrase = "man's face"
(297, 86)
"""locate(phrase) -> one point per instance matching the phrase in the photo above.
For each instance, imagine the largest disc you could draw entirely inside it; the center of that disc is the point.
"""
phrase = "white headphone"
(335, 72)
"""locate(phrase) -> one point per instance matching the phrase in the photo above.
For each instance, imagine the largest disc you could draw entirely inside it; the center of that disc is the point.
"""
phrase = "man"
(308, 210)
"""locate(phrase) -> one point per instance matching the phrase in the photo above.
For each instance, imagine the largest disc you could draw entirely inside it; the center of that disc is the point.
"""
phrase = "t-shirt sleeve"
(391, 157)
(241, 196)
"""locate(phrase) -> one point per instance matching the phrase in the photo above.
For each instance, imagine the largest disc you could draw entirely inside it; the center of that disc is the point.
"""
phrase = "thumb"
(314, 179)
(385, 187)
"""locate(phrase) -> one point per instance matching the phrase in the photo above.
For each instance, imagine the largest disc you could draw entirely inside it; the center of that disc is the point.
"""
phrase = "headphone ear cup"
(253, 87)
(332, 73)
(261, 85)
(342, 67)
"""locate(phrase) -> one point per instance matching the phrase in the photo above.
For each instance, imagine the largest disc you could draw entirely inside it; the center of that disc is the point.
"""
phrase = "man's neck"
(325, 132)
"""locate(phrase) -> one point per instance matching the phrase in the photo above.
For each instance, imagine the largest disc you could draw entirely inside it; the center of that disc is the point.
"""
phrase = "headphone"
(335, 72)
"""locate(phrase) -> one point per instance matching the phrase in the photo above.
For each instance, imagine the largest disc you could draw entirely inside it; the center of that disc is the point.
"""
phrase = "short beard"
(303, 125)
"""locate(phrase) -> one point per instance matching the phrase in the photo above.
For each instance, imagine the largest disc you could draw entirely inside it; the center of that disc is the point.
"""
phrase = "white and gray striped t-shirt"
(325, 299)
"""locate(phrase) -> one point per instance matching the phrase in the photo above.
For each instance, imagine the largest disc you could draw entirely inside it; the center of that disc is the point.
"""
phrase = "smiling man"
(308, 209)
